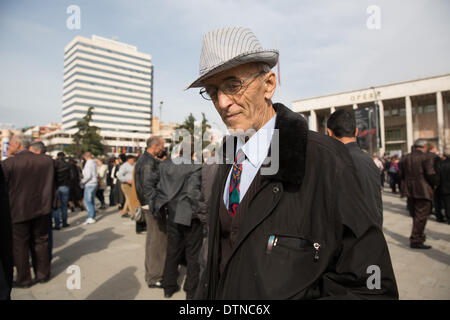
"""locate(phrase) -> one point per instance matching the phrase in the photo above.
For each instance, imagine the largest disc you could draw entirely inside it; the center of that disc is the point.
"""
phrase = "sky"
(325, 47)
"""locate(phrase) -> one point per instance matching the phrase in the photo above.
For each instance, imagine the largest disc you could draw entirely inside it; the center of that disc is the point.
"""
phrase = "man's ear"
(330, 133)
(270, 84)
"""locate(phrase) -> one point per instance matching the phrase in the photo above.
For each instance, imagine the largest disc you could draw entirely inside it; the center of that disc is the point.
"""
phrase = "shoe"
(157, 284)
(126, 215)
(169, 293)
(419, 246)
(66, 225)
(56, 228)
(90, 221)
(22, 286)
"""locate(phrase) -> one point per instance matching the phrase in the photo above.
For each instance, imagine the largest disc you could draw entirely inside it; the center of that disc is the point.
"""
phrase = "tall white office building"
(117, 81)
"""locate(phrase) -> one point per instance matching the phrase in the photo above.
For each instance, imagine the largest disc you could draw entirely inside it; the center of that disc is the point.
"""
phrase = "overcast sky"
(325, 47)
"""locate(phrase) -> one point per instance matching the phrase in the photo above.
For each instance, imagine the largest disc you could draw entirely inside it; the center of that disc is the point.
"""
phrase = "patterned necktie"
(234, 183)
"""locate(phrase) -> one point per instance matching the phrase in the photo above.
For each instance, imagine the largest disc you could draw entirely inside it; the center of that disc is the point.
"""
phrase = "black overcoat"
(314, 198)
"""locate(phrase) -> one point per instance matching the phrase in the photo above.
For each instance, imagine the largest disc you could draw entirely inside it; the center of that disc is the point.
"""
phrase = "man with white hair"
(30, 181)
(287, 218)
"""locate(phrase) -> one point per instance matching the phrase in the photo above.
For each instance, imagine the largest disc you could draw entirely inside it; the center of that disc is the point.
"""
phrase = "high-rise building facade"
(117, 81)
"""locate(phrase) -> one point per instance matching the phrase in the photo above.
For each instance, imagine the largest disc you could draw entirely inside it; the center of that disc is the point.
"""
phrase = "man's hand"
(129, 181)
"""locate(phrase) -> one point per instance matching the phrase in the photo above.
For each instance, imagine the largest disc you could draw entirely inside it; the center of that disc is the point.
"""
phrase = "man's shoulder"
(320, 144)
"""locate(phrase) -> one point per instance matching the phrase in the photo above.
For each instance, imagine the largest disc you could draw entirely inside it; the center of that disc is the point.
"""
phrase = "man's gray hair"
(262, 66)
(420, 143)
(22, 139)
(153, 141)
(38, 146)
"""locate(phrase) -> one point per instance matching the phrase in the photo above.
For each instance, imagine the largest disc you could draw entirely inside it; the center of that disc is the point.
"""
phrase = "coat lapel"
(293, 133)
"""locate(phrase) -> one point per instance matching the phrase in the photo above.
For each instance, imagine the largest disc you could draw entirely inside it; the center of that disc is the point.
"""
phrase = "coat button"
(276, 189)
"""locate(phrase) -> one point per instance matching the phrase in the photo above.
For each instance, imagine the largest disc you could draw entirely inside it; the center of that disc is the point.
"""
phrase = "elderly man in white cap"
(300, 232)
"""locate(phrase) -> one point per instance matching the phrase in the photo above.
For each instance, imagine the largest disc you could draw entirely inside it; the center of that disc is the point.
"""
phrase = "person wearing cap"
(287, 217)
(419, 178)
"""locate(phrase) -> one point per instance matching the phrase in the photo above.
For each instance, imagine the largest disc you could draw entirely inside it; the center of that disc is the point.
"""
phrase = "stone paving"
(110, 257)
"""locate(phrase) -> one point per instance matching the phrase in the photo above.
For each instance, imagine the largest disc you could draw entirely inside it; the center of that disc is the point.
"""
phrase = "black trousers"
(182, 239)
(419, 210)
(31, 236)
(100, 196)
(438, 204)
(446, 200)
(111, 196)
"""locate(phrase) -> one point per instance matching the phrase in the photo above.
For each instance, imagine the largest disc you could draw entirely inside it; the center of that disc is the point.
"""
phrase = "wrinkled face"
(248, 108)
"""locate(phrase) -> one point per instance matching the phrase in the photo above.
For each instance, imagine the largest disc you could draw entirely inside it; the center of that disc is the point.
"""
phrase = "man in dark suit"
(175, 198)
(30, 181)
(342, 126)
(419, 177)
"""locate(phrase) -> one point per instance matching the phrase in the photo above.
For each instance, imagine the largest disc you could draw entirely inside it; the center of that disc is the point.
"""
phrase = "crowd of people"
(40, 191)
(393, 172)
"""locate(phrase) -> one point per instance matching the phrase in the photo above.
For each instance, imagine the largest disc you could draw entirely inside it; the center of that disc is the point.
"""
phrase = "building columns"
(313, 120)
(382, 131)
(440, 120)
(409, 124)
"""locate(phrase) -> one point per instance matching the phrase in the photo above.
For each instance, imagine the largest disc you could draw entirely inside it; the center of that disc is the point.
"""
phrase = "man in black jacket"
(156, 237)
(342, 126)
(176, 197)
(288, 217)
(444, 174)
(64, 179)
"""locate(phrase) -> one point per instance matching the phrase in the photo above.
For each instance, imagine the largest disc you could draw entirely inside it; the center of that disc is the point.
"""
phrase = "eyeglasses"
(229, 87)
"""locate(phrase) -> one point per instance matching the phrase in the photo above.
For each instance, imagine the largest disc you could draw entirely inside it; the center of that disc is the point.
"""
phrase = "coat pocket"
(293, 243)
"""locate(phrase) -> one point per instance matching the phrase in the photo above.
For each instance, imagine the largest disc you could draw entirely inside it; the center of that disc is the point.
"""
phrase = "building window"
(394, 112)
(386, 113)
(430, 109)
(393, 134)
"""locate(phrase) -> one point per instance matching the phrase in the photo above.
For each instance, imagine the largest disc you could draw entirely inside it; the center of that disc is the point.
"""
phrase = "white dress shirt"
(255, 150)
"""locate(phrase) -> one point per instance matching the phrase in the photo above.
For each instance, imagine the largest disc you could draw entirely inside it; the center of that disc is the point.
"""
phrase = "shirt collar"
(257, 147)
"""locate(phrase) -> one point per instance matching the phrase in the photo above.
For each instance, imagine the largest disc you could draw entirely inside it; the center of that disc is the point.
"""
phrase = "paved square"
(110, 256)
